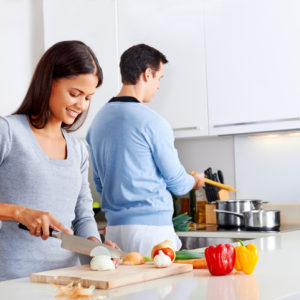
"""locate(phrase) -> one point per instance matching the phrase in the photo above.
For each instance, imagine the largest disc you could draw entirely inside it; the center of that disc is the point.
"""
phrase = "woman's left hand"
(114, 245)
(108, 243)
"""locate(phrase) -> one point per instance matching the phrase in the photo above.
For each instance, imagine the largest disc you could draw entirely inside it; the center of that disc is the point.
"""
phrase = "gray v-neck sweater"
(28, 177)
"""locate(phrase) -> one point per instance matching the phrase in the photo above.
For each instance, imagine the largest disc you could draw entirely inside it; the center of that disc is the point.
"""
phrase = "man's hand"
(199, 180)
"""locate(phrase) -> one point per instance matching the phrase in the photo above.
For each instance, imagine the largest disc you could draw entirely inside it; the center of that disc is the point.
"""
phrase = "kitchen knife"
(80, 245)
(214, 188)
(211, 197)
(221, 176)
(209, 173)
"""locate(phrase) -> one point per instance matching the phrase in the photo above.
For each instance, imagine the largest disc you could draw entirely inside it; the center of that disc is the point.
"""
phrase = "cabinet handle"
(188, 128)
(257, 122)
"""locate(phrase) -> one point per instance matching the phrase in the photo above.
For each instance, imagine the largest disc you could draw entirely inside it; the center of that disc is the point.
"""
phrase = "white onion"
(100, 250)
(102, 262)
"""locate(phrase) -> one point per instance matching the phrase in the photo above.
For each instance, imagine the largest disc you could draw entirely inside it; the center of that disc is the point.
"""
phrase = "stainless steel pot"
(257, 219)
(238, 206)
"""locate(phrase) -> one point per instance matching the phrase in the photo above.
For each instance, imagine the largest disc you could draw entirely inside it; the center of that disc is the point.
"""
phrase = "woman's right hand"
(38, 222)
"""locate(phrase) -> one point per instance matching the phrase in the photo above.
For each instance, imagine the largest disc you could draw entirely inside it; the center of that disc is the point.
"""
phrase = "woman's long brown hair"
(63, 60)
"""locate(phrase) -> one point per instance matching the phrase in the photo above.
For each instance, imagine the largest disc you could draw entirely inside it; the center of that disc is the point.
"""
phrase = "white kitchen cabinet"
(94, 23)
(253, 65)
(175, 27)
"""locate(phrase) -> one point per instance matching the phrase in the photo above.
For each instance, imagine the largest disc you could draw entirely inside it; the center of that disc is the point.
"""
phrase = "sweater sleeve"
(161, 140)
(5, 139)
(84, 223)
(96, 178)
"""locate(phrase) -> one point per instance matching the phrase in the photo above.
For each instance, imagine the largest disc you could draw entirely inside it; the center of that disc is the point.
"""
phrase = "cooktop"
(208, 227)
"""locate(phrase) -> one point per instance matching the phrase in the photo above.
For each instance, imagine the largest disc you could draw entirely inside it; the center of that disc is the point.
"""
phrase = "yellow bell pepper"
(245, 257)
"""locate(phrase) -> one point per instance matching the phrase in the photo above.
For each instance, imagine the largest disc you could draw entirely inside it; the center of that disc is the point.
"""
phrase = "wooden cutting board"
(123, 275)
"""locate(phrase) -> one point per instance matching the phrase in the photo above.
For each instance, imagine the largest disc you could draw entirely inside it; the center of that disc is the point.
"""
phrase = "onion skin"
(133, 258)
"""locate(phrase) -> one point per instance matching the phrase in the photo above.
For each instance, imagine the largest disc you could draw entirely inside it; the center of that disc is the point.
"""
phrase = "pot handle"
(229, 212)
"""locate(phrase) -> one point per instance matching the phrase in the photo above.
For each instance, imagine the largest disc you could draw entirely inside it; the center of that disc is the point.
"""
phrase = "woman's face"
(71, 96)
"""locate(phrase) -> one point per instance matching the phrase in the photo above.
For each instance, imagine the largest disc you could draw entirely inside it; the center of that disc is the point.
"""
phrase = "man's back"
(135, 164)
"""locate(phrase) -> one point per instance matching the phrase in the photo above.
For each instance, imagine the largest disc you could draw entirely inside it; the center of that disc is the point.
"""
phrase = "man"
(135, 164)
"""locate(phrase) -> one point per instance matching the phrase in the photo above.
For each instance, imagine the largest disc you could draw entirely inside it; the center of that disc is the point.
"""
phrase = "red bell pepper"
(220, 259)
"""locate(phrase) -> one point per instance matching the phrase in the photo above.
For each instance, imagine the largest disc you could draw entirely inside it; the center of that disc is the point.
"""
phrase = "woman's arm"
(9, 212)
(37, 222)
(5, 139)
(84, 223)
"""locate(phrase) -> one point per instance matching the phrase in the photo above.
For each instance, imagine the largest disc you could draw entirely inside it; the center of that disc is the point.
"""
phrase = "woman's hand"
(108, 243)
(38, 222)
(114, 245)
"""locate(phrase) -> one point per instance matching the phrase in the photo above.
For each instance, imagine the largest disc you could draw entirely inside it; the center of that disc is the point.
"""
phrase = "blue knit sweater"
(135, 164)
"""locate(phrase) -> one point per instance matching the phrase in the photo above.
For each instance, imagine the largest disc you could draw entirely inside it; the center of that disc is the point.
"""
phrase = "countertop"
(276, 276)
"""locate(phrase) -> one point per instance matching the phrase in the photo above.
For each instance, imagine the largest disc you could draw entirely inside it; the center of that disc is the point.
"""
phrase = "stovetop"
(215, 228)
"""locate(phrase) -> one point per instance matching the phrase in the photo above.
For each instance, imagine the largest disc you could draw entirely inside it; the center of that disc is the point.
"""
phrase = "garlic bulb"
(102, 262)
(161, 260)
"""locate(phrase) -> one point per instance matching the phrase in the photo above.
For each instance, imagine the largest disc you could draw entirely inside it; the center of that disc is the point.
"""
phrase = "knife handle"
(25, 228)
(221, 176)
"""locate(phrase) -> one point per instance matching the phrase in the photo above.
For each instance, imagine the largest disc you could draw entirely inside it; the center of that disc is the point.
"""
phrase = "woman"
(43, 169)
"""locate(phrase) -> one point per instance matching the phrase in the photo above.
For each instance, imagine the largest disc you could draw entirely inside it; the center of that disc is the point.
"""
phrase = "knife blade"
(80, 245)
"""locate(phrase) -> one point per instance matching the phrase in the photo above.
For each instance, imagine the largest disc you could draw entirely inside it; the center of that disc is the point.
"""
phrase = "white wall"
(200, 153)
(260, 166)
(267, 167)
(21, 35)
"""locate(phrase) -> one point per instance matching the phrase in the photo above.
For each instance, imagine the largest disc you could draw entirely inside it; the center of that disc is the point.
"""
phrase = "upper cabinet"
(234, 65)
(253, 65)
(176, 28)
(94, 23)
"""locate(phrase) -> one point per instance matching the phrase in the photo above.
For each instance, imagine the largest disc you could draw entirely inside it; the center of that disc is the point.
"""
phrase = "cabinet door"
(253, 65)
(94, 23)
(175, 28)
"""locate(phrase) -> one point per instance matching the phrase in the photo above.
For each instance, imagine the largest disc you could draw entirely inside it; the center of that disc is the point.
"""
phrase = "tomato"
(167, 251)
